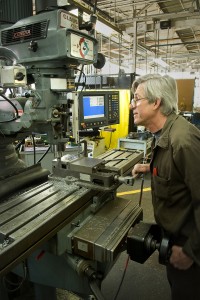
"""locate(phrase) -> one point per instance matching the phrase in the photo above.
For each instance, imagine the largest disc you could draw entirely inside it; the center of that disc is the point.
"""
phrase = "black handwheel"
(101, 60)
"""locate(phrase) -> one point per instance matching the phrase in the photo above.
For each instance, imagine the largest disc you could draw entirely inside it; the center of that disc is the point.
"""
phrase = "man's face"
(142, 110)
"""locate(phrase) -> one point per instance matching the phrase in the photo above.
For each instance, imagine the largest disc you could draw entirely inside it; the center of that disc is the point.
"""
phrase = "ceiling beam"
(173, 44)
(177, 25)
(158, 17)
(100, 15)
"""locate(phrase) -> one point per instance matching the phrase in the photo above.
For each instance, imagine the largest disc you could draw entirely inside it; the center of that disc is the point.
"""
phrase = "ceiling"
(152, 32)
(149, 35)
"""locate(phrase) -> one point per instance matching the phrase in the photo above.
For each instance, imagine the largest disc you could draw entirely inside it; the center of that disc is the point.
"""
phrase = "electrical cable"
(123, 276)
(142, 184)
(81, 73)
(34, 148)
(45, 153)
(15, 108)
(19, 284)
(141, 190)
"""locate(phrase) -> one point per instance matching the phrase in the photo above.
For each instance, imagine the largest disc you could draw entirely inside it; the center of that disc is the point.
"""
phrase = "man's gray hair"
(161, 87)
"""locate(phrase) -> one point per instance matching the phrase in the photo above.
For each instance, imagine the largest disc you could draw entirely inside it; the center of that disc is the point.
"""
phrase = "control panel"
(113, 107)
(98, 109)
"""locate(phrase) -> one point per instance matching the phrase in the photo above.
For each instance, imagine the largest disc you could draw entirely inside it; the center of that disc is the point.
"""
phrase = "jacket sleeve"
(187, 160)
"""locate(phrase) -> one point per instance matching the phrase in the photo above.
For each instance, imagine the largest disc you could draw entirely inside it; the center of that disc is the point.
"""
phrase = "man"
(175, 178)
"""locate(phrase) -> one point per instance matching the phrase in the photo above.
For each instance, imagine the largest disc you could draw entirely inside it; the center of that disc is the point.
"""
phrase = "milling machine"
(65, 229)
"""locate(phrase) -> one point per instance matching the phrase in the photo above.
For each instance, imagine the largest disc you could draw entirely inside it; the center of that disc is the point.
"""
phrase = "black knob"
(19, 76)
(27, 95)
(33, 46)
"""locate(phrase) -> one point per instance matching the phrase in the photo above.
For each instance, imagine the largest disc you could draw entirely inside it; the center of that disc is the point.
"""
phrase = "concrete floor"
(141, 281)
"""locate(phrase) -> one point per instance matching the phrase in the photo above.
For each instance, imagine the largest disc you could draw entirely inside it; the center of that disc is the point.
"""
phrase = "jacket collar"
(163, 141)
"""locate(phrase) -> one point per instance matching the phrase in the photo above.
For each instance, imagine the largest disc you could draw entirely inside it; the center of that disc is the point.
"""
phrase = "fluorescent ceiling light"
(104, 29)
(160, 62)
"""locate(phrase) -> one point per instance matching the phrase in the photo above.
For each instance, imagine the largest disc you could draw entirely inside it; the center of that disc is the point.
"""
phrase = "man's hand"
(179, 259)
(140, 169)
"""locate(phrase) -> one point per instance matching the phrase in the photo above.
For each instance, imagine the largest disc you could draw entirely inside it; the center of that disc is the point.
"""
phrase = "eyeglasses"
(135, 100)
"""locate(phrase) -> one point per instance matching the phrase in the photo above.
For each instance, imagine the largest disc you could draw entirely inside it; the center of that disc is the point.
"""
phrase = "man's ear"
(157, 103)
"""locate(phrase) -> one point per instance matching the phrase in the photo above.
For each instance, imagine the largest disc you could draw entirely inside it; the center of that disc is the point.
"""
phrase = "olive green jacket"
(175, 169)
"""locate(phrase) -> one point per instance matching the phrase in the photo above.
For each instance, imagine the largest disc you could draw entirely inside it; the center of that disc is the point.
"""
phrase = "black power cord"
(123, 276)
(15, 108)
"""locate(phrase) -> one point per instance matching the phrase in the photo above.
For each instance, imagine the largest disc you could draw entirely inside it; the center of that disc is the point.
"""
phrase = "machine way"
(66, 221)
